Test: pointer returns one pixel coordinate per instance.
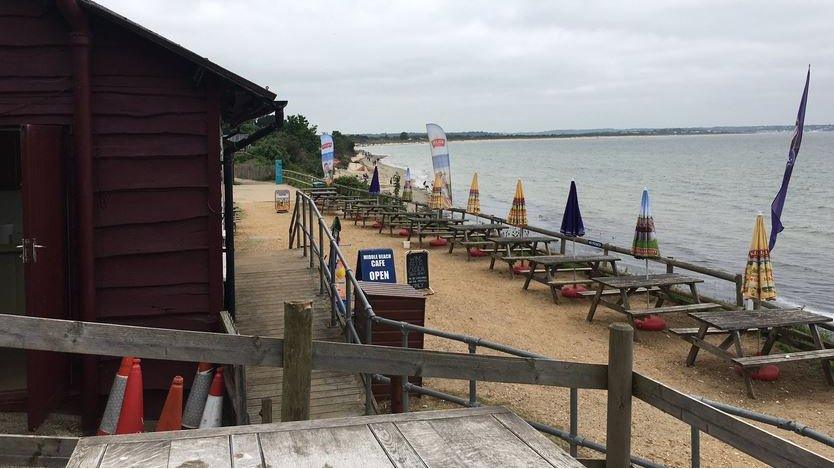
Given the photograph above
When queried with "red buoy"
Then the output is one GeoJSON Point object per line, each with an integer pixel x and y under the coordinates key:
{"type": "Point", "coordinates": [436, 242]}
{"type": "Point", "coordinates": [650, 323]}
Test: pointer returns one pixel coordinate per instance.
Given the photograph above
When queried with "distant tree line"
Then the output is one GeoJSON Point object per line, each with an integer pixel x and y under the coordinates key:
{"type": "Point", "coordinates": [297, 144]}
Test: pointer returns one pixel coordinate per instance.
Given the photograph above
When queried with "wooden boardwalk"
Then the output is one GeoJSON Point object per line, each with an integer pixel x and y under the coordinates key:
{"type": "Point", "coordinates": [263, 283]}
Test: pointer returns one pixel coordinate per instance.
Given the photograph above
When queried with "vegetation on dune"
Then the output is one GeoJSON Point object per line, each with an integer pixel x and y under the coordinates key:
{"type": "Point", "coordinates": [297, 144]}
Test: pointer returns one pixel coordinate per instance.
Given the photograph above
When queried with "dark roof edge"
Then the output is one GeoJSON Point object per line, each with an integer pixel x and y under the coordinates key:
{"type": "Point", "coordinates": [178, 49]}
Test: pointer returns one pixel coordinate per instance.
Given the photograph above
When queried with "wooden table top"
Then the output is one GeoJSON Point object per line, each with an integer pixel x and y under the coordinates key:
{"type": "Point", "coordinates": [520, 239]}
{"type": "Point", "coordinates": [476, 437]}
{"type": "Point", "coordinates": [477, 226]}
{"type": "Point", "coordinates": [654, 280]}
{"type": "Point", "coordinates": [758, 319]}
{"type": "Point", "coordinates": [559, 260]}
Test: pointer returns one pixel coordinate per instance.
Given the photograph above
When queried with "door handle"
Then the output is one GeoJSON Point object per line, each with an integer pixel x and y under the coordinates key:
{"type": "Point", "coordinates": [24, 253]}
{"type": "Point", "coordinates": [35, 247]}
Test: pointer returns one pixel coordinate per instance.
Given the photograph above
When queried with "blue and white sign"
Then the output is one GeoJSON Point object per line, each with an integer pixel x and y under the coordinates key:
{"type": "Point", "coordinates": [376, 265]}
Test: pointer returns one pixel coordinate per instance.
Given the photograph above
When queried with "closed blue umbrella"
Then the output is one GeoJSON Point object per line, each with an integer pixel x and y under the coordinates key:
{"type": "Point", "coordinates": [572, 224]}
{"type": "Point", "coordinates": [374, 189]}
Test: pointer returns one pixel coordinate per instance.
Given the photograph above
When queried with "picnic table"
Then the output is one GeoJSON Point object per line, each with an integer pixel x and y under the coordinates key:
{"type": "Point", "coordinates": [468, 231]}
{"type": "Point", "coordinates": [427, 225]}
{"type": "Point", "coordinates": [476, 437]}
{"type": "Point", "coordinates": [553, 264]}
{"type": "Point", "coordinates": [505, 248]}
{"type": "Point", "coordinates": [774, 323]}
{"type": "Point", "coordinates": [626, 285]}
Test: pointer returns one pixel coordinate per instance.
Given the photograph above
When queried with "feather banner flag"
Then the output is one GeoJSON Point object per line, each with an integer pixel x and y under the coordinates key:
{"type": "Point", "coordinates": [327, 154]}
{"type": "Point", "coordinates": [473, 205]}
{"type": "Point", "coordinates": [408, 191]}
{"type": "Point", "coordinates": [440, 160]}
{"type": "Point", "coordinates": [778, 204]}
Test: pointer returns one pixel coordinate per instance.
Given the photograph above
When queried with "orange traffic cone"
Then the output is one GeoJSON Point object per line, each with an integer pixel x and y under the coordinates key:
{"type": "Point", "coordinates": [171, 417]}
{"type": "Point", "coordinates": [197, 397]}
{"type": "Point", "coordinates": [132, 417]}
{"type": "Point", "coordinates": [213, 413]}
{"type": "Point", "coordinates": [110, 418]}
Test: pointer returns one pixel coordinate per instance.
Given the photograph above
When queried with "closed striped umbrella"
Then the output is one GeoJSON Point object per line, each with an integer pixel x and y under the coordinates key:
{"type": "Point", "coordinates": [474, 203]}
{"type": "Point", "coordinates": [645, 238]}
{"type": "Point", "coordinates": [758, 275]}
{"type": "Point", "coordinates": [518, 211]}
{"type": "Point", "coordinates": [374, 187]}
{"type": "Point", "coordinates": [436, 201]}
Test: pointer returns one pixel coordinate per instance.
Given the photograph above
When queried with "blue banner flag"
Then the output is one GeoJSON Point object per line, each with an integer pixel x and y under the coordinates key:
{"type": "Point", "coordinates": [778, 204]}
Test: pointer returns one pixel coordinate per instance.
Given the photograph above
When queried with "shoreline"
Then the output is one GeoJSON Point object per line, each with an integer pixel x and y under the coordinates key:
{"type": "Point", "coordinates": [386, 172]}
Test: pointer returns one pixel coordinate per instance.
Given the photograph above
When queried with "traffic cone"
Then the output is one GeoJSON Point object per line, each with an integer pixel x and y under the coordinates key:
{"type": "Point", "coordinates": [110, 418]}
{"type": "Point", "coordinates": [171, 416]}
{"type": "Point", "coordinates": [197, 397]}
{"type": "Point", "coordinates": [213, 413]}
{"type": "Point", "coordinates": [132, 417]}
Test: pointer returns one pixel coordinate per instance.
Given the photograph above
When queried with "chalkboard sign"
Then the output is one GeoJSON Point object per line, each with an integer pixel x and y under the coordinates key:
{"type": "Point", "coordinates": [376, 265]}
{"type": "Point", "coordinates": [417, 269]}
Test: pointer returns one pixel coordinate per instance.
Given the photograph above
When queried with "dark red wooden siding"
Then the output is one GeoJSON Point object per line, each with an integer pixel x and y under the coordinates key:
{"type": "Point", "coordinates": [156, 167]}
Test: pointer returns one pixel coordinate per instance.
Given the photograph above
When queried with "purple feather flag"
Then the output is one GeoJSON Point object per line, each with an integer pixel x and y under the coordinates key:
{"type": "Point", "coordinates": [778, 204]}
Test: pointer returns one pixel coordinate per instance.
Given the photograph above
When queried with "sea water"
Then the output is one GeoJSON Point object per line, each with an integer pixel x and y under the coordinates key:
{"type": "Point", "coordinates": [706, 191]}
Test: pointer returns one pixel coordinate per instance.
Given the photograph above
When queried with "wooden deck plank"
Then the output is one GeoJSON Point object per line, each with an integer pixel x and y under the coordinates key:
{"type": "Point", "coordinates": [246, 450]}
{"type": "Point", "coordinates": [87, 455]}
{"type": "Point", "coordinates": [140, 454]}
{"type": "Point", "coordinates": [478, 441]}
{"type": "Point", "coordinates": [200, 452]}
{"type": "Point", "coordinates": [264, 283]}
{"type": "Point", "coordinates": [323, 447]}
{"type": "Point", "coordinates": [395, 445]}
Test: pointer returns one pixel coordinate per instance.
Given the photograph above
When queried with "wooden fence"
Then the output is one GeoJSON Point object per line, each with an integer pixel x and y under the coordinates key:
{"type": "Point", "coordinates": [617, 377]}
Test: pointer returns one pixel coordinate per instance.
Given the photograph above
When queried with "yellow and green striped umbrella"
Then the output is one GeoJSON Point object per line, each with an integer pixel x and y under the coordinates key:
{"type": "Point", "coordinates": [758, 275]}
{"type": "Point", "coordinates": [474, 203]}
{"type": "Point", "coordinates": [518, 211]}
{"type": "Point", "coordinates": [436, 201]}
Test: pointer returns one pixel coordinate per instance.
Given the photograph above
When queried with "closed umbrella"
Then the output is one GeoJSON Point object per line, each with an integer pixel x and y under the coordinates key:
{"type": "Point", "coordinates": [518, 211]}
{"type": "Point", "coordinates": [645, 237]}
{"type": "Point", "coordinates": [436, 198]}
{"type": "Point", "coordinates": [407, 189]}
{"type": "Point", "coordinates": [572, 224]}
{"type": "Point", "coordinates": [474, 203]}
{"type": "Point", "coordinates": [374, 188]}
{"type": "Point", "coordinates": [758, 275]}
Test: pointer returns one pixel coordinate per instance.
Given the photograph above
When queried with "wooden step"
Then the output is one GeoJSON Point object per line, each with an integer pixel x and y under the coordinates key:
{"type": "Point", "coordinates": [758, 360]}
{"type": "Point", "coordinates": [674, 309]}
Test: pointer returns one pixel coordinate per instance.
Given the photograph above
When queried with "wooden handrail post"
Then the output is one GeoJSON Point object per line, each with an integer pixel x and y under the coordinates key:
{"type": "Point", "coordinates": [740, 290]}
{"type": "Point", "coordinates": [620, 365]}
{"type": "Point", "coordinates": [298, 360]}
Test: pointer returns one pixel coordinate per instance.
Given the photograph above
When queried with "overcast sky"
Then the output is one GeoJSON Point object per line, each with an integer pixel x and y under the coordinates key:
{"type": "Point", "coordinates": [373, 66]}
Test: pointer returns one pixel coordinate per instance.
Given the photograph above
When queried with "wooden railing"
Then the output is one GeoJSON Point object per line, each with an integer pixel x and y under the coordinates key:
{"type": "Point", "coordinates": [617, 377]}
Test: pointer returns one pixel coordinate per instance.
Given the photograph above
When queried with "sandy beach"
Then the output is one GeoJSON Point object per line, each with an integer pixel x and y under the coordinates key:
{"type": "Point", "coordinates": [472, 299]}
{"type": "Point", "coordinates": [366, 165]}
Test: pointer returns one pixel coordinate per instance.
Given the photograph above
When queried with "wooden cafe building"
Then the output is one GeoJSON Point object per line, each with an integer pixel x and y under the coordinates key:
{"type": "Point", "coordinates": [111, 208]}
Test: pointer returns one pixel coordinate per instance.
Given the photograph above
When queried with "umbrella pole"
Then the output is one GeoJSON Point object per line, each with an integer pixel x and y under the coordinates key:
{"type": "Point", "coordinates": [573, 242]}
{"type": "Point", "coordinates": [647, 276]}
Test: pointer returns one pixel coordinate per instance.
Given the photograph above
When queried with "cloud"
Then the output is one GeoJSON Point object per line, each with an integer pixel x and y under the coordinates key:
{"type": "Point", "coordinates": [368, 66]}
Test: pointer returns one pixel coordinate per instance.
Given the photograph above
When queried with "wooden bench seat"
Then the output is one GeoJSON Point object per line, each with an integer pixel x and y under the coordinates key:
{"type": "Point", "coordinates": [563, 282]}
{"type": "Point", "coordinates": [693, 331]}
{"type": "Point", "coordinates": [673, 309]}
{"type": "Point", "coordinates": [759, 360]}
{"type": "Point", "coordinates": [591, 293]}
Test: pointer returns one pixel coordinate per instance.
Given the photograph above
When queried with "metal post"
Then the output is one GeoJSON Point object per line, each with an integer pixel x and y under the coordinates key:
{"type": "Point", "coordinates": [574, 419]}
{"type": "Point", "coordinates": [369, 393]}
{"type": "Point", "coordinates": [321, 256]}
{"type": "Point", "coordinates": [334, 292]}
{"type": "Point", "coordinates": [304, 225]}
{"type": "Point", "coordinates": [620, 368]}
{"type": "Point", "coordinates": [405, 377]}
{"type": "Point", "coordinates": [348, 304]}
{"type": "Point", "coordinates": [695, 436]}
{"type": "Point", "coordinates": [473, 384]}
{"type": "Point", "coordinates": [312, 233]}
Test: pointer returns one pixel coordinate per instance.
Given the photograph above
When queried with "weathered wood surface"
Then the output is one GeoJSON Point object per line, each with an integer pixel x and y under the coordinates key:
{"type": "Point", "coordinates": [565, 259]}
{"type": "Point", "coordinates": [477, 227]}
{"type": "Point", "coordinates": [765, 318]}
{"type": "Point", "coordinates": [298, 361]}
{"type": "Point", "coordinates": [520, 239]}
{"type": "Point", "coordinates": [760, 444]}
{"type": "Point", "coordinates": [35, 451]}
{"type": "Point", "coordinates": [676, 309]}
{"type": "Point", "coordinates": [477, 437]}
{"type": "Point", "coordinates": [654, 280]}
{"type": "Point", "coordinates": [263, 284]}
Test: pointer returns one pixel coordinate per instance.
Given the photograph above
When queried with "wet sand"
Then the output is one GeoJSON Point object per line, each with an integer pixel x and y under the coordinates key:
{"type": "Point", "coordinates": [473, 300]}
